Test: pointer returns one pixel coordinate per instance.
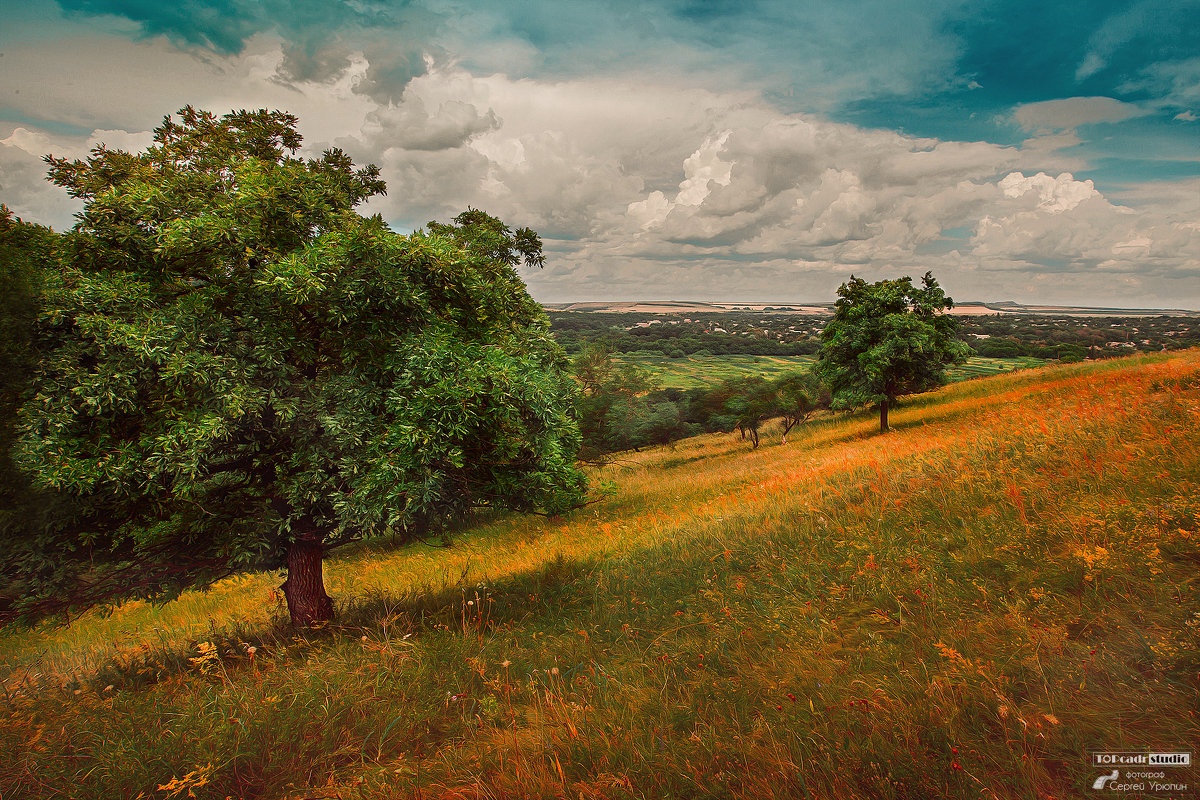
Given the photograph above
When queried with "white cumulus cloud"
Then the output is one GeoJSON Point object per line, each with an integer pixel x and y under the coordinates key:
{"type": "Point", "coordinates": [657, 188]}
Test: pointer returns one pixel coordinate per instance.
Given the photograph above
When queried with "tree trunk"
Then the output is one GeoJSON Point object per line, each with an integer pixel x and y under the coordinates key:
{"type": "Point", "coordinates": [883, 409]}
{"type": "Point", "coordinates": [304, 588]}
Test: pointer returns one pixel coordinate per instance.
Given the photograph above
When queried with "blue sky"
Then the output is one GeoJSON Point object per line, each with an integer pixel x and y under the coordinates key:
{"type": "Point", "coordinates": [761, 150]}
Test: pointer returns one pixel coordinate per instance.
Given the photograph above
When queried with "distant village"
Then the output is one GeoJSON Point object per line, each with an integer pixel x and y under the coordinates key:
{"type": "Point", "coordinates": [1066, 337]}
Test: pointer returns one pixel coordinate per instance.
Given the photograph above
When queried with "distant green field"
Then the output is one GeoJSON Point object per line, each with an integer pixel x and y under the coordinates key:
{"type": "Point", "coordinates": [979, 367]}
{"type": "Point", "coordinates": [695, 371]}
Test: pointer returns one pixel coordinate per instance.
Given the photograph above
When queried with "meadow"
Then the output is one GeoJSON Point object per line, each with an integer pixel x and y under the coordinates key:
{"type": "Point", "coordinates": [967, 606]}
{"type": "Point", "coordinates": [691, 372]}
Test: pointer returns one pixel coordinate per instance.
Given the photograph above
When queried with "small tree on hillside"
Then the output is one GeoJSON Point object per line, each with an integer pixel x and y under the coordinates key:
{"type": "Point", "coordinates": [609, 406]}
{"type": "Point", "coordinates": [752, 400]}
{"type": "Point", "coordinates": [662, 424]}
{"type": "Point", "coordinates": [888, 339]}
{"type": "Point", "coordinates": [237, 371]}
{"type": "Point", "coordinates": [797, 396]}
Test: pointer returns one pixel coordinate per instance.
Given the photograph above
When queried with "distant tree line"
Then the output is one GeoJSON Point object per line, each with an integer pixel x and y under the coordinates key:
{"type": "Point", "coordinates": [1014, 348]}
{"type": "Point", "coordinates": [574, 331]}
{"type": "Point", "coordinates": [672, 343]}
{"type": "Point", "coordinates": [759, 333]}
{"type": "Point", "coordinates": [1076, 338]}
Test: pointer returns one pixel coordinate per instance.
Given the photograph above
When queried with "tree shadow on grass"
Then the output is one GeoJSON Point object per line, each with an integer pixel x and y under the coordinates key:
{"type": "Point", "coordinates": [550, 596]}
{"type": "Point", "coordinates": [555, 590]}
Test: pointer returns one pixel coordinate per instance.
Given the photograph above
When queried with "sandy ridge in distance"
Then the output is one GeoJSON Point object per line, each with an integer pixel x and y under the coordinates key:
{"type": "Point", "coordinates": [968, 309]}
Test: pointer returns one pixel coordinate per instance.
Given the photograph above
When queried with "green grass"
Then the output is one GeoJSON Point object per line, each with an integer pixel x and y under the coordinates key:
{"type": "Point", "coordinates": [965, 607]}
{"type": "Point", "coordinates": [701, 371]}
{"type": "Point", "coordinates": [697, 371]}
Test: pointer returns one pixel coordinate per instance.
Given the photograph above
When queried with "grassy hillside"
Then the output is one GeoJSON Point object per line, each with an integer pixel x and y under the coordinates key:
{"type": "Point", "coordinates": [965, 607]}
{"type": "Point", "coordinates": [694, 371]}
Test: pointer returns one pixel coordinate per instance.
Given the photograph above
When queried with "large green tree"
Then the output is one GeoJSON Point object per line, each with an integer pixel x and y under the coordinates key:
{"type": "Point", "coordinates": [888, 339]}
{"type": "Point", "coordinates": [239, 371]}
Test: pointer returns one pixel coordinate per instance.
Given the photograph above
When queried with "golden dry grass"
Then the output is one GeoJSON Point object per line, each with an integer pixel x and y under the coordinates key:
{"type": "Point", "coordinates": [964, 607]}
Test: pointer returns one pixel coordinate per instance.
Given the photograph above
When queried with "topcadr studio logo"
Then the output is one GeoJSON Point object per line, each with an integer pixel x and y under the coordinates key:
{"type": "Point", "coordinates": [1144, 758]}
{"type": "Point", "coordinates": [1140, 771]}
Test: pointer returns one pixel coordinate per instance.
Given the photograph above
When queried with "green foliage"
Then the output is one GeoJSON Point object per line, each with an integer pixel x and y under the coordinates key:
{"type": "Point", "coordinates": [750, 402]}
{"type": "Point", "coordinates": [797, 396]}
{"type": "Point", "coordinates": [23, 248]}
{"type": "Point", "coordinates": [663, 424]}
{"type": "Point", "coordinates": [233, 360]}
{"type": "Point", "coordinates": [609, 405]}
{"type": "Point", "coordinates": [746, 403]}
{"type": "Point", "coordinates": [999, 348]}
{"type": "Point", "coordinates": [886, 340]}
{"type": "Point", "coordinates": [620, 408]}
{"type": "Point", "coordinates": [490, 238]}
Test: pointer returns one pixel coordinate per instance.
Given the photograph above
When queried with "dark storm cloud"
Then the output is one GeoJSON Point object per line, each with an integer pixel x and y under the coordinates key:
{"type": "Point", "coordinates": [319, 35]}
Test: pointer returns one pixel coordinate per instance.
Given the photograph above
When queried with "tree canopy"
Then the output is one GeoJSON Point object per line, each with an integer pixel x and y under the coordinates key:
{"type": "Point", "coordinates": [238, 371]}
{"type": "Point", "coordinates": [888, 339]}
{"type": "Point", "coordinates": [797, 396]}
{"type": "Point", "coordinates": [610, 407]}
{"type": "Point", "coordinates": [750, 402]}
